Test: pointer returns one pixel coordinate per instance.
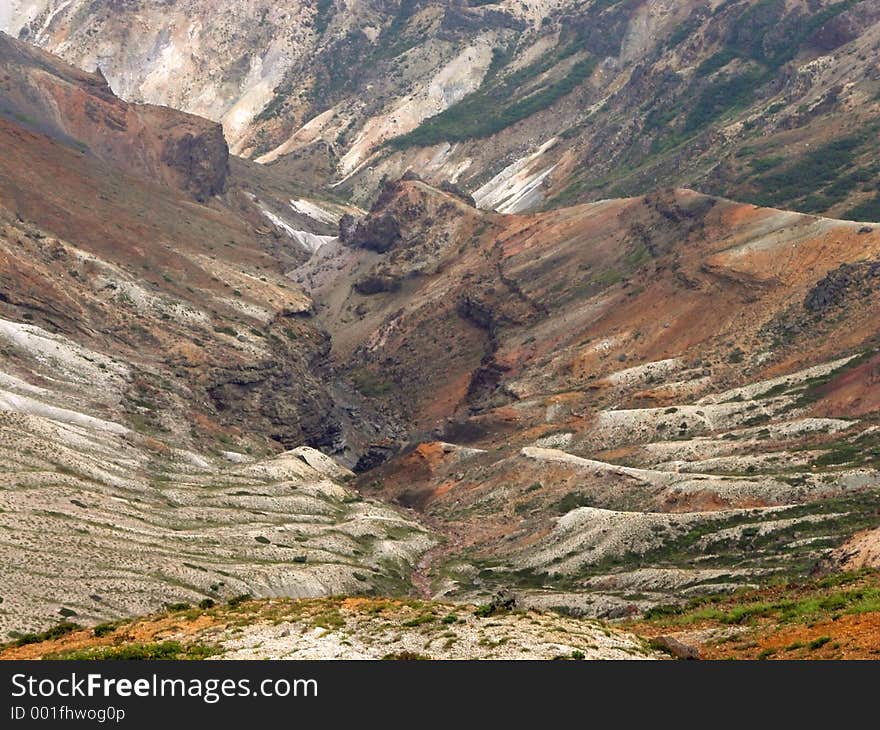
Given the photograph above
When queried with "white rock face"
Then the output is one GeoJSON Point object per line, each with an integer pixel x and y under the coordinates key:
{"type": "Point", "coordinates": [310, 242]}
{"type": "Point", "coordinates": [451, 84]}
{"type": "Point", "coordinates": [518, 186]}
{"type": "Point", "coordinates": [221, 60]}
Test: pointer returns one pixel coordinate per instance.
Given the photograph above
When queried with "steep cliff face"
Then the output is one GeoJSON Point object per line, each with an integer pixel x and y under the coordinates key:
{"type": "Point", "coordinates": [523, 104]}
{"type": "Point", "coordinates": [44, 94]}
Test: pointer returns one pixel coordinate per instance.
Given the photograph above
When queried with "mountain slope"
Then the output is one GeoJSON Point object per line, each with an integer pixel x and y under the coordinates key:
{"type": "Point", "coordinates": [49, 97]}
{"type": "Point", "coordinates": [159, 377]}
{"type": "Point", "coordinates": [597, 394]}
{"type": "Point", "coordinates": [520, 103]}
{"type": "Point", "coordinates": [603, 407]}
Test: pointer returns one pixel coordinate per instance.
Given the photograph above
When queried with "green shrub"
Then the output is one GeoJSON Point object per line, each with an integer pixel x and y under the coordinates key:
{"type": "Point", "coordinates": [105, 629]}
{"type": "Point", "coordinates": [152, 651]}
{"type": "Point", "coordinates": [405, 656]}
{"type": "Point", "coordinates": [56, 632]}
{"type": "Point", "coordinates": [491, 109]}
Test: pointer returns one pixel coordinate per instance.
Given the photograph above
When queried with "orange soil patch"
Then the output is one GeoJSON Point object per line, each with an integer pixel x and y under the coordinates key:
{"type": "Point", "coordinates": [854, 393]}
{"type": "Point", "coordinates": [149, 630]}
{"type": "Point", "coordinates": [849, 637]}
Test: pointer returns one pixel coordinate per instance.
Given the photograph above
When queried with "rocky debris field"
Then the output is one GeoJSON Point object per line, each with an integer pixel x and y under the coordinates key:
{"type": "Point", "coordinates": [350, 628]}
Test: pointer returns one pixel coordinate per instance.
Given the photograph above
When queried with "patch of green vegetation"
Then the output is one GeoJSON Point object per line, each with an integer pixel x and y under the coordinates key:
{"type": "Point", "coordinates": [716, 62]}
{"type": "Point", "coordinates": [56, 632]}
{"type": "Point", "coordinates": [865, 599]}
{"type": "Point", "coordinates": [323, 15]}
{"type": "Point", "coordinates": [763, 38]}
{"type": "Point", "coordinates": [495, 106]}
{"type": "Point", "coordinates": [609, 277]}
{"type": "Point", "coordinates": [370, 384]}
{"type": "Point", "coordinates": [152, 651]}
{"type": "Point", "coordinates": [105, 629]}
{"type": "Point", "coordinates": [238, 600]}
{"type": "Point", "coordinates": [405, 656]}
{"type": "Point", "coordinates": [818, 171]}
{"type": "Point", "coordinates": [757, 22]}
{"type": "Point", "coordinates": [811, 390]}
{"type": "Point", "coordinates": [763, 164]}
{"type": "Point", "coordinates": [572, 501]}
{"type": "Point", "coordinates": [484, 611]}
{"type": "Point", "coordinates": [395, 40]}
{"type": "Point", "coordinates": [683, 31]}
{"type": "Point", "coordinates": [721, 96]}
{"type": "Point", "coordinates": [868, 210]}
{"type": "Point", "coordinates": [330, 620]}
{"type": "Point", "coordinates": [864, 450]}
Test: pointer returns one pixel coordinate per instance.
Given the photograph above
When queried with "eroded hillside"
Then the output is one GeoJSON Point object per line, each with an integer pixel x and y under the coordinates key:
{"type": "Point", "coordinates": [524, 104]}
{"type": "Point", "coordinates": [603, 408]}
{"type": "Point", "coordinates": [352, 628]}
{"type": "Point", "coordinates": [159, 377]}
{"type": "Point", "coordinates": [615, 403]}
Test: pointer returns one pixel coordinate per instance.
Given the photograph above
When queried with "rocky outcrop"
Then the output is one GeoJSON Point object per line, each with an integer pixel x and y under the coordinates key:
{"type": "Point", "coordinates": [376, 233]}
{"type": "Point", "coordinates": [860, 552]}
{"type": "Point", "coordinates": [846, 27]}
{"type": "Point", "coordinates": [283, 396]}
{"type": "Point", "coordinates": [43, 94]}
{"type": "Point", "coordinates": [848, 280]}
{"type": "Point", "coordinates": [200, 159]}
{"type": "Point", "coordinates": [377, 284]}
